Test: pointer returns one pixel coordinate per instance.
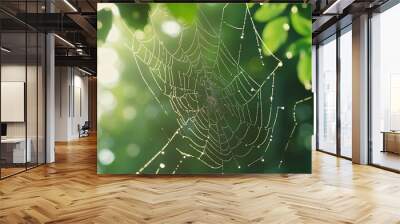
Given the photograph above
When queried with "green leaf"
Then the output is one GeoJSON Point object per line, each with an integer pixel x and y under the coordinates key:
{"type": "Point", "coordinates": [250, 5]}
{"type": "Point", "coordinates": [303, 44]}
{"type": "Point", "coordinates": [304, 69]}
{"type": "Point", "coordinates": [303, 133]}
{"type": "Point", "coordinates": [274, 35]}
{"type": "Point", "coordinates": [186, 12]}
{"type": "Point", "coordinates": [300, 24]}
{"type": "Point", "coordinates": [269, 11]}
{"type": "Point", "coordinates": [104, 21]}
{"type": "Point", "coordinates": [134, 15]}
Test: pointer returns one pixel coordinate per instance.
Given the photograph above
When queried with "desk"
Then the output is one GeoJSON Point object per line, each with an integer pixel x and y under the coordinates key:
{"type": "Point", "coordinates": [18, 150]}
{"type": "Point", "coordinates": [391, 141]}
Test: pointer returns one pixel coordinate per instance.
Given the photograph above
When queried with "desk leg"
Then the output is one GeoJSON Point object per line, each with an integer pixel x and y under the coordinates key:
{"type": "Point", "coordinates": [384, 142]}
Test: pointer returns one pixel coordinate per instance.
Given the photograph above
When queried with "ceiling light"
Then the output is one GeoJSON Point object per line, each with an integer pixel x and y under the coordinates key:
{"type": "Point", "coordinates": [5, 50]}
{"type": "Point", "coordinates": [84, 71]}
{"type": "Point", "coordinates": [79, 51]}
{"type": "Point", "coordinates": [64, 40]}
{"type": "Point", "coordinates": [331, 7]}
{"type": "Point", "coordinates": [70, 5]}
{"type": "Point", "coordinates": [337, 7]}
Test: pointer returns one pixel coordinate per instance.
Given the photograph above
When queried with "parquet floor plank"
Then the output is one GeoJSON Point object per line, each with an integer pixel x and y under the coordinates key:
{"type": "Point", "coordinates": [70, 191]}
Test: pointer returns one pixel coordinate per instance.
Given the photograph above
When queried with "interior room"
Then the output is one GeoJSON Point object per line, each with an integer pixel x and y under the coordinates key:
{"type": "Point", "coordinates": [385, 107]}
{"type": "Point", "coordinates": [71, 103]}
{"type": "Point", "coordinates": [100, 104]}
{"type": "Point", "coordinates": [22, 102]}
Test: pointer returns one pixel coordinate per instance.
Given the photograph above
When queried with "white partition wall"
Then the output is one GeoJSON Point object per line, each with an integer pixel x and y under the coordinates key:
{"type": "Point", "coordinates": [71, 102]}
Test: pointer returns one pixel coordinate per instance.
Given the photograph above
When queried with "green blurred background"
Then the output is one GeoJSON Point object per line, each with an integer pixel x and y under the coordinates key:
{"type": "Point", "coordinates": [203, 49]}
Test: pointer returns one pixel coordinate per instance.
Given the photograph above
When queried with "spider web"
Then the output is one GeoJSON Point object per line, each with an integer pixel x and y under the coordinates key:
{"type": "Point", "coordinates": [216, 102]}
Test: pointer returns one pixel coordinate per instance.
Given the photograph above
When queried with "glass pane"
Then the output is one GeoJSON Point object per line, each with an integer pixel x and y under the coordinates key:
{"type": "Point", "coordinates": [41, 99]}
{"type": "Point", "coordinates": [31, 97]}
{"type": "Point", "coordinates": [327, 96]}
{"type": "Point", "coordinates": [346, 94]}
{"type": "Point", "coordinates": [22, 90]}
{"type": "Point", "coordinates": [14, 154]}
{"type": "Point", "coordinates": [385, 86]}
{"type": "Point", "coordinates": [32, 90]}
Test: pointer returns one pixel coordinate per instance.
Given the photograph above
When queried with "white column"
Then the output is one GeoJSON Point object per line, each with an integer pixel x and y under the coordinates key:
{"type": "Point", "coordinates": [50, 99]}
{"type": "Point", "coordinates": [360, 90]}
{"type": "Point", "coordinates": [50, 92]}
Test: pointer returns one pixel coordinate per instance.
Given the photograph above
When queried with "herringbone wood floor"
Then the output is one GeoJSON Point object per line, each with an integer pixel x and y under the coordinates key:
{"type": "Point", "coordinates": [70, 191]}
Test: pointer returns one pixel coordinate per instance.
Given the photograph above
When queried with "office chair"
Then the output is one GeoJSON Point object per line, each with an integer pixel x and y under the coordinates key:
{"type": "Point", "coordinates": [84, 130]}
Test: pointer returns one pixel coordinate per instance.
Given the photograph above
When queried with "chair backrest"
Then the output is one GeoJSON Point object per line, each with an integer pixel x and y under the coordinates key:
{"type": "Point", "coordinates": [86, 125]}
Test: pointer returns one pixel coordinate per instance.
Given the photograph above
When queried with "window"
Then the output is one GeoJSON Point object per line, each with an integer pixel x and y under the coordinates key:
{"type": "Point", "coordinates": [385, 89]}
{"type": "Point", "coordinates": [327, 96]}
{"type": "Point", "coordinates": [346, 92]}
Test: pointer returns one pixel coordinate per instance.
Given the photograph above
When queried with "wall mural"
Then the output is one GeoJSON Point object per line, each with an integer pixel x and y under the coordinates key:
{"type": "Point", "coordinates": [212, 88]}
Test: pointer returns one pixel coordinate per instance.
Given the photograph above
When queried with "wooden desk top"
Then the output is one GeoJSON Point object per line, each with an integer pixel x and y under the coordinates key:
{"type": "Point", "coordinates": [13, 140]}
{"type": "Point", "coordinates": [391, 132]}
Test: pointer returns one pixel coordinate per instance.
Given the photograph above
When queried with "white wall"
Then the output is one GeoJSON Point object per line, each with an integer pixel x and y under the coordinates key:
{"type": "Point", "coordinates": [12, 73]}
{"type": "Point", "coordinates": [81, 102]}
{"type": "Point", "coordinates": [33, 126]}
{"type": "Point", "coordinates": [71, 94]}
{"type": "Point", "coordinates": [62, 81]}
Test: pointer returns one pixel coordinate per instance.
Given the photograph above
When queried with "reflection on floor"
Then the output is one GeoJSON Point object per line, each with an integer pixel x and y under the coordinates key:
{"type": "Point", "coordinates": [346, 152]}
{"type": "Point", "coordinates": [387, 159]}
{"type": "Point", "coordinates": [9, 170]}
{"type": "Point", "coordinates": [70, 191]}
